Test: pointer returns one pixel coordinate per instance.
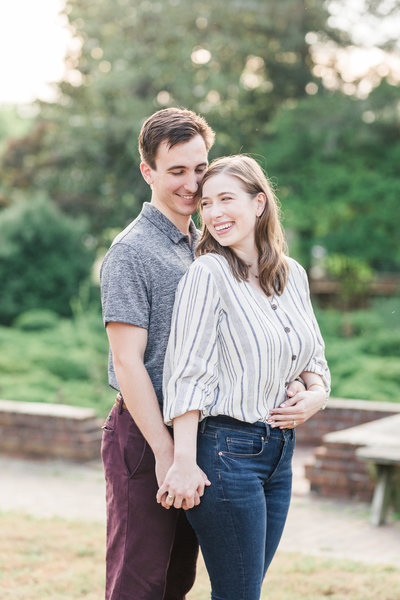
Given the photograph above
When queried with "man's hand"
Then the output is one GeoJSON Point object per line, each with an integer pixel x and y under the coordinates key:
{"type": "Point", "coordinates": [183, 485]}
{"type": "Point", "coordinates": [294, 388]}
{"type": "Point", "coordinates": [299, 406]}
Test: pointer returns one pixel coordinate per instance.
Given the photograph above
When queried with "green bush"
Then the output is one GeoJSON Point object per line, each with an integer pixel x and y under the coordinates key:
{"type": "Point", "coordinates": [383, 343]}
{"type": "Point", "coordinates": [43, 258]}
{"type": "Point", "coordinates": [360, 322]}
{"type": "Point", "coordinates": [36, 320]}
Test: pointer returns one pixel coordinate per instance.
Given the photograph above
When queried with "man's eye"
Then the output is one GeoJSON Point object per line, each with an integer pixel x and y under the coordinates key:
{"type": "Point", "coordinates": [176, 172]}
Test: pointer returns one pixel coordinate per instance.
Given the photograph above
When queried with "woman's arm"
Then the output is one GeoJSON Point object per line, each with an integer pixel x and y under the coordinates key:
{"type": "Point", "coordinates": [184, 481]}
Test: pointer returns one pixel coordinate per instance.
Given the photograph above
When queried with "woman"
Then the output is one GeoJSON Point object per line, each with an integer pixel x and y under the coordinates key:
{"type": "Point", "coordinates": [242, 329]}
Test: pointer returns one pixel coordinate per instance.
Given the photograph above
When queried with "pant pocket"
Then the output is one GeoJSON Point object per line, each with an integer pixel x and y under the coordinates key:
{"type": "Point", "coordinates": [134, 449]}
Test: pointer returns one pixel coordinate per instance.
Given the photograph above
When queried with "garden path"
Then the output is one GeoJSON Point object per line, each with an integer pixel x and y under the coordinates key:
{"type": "Point", "coordinates": [315, 526]}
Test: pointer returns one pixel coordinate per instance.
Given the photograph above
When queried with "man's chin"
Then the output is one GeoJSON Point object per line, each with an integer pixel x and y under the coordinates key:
{"type": "Point", "coordinates": [190, 209]}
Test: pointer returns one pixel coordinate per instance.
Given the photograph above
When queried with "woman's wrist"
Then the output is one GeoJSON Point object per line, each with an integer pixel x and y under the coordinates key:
{"type": "Point", "coordinates": [182, 457]}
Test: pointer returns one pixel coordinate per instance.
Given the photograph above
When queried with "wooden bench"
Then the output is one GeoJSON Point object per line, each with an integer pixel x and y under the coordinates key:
{"type": "Point", "coordinates": [384, 462]}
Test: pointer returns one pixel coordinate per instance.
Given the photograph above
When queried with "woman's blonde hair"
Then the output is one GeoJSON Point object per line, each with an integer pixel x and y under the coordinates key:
{"type": "Point", "coordinates": [269, 236]}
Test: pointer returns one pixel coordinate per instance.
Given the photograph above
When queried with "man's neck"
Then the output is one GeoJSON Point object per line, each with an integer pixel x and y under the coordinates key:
{"type": "Point", "coordinates": [182, 222]}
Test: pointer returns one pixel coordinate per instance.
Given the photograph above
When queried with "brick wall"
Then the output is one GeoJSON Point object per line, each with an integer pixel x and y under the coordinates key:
{"type": "Point", "coordinates": [342, 414]}
{"type": "Point", "coordinates": [35, 429]}
{"type": "Point", "coordinates": [336, 471]}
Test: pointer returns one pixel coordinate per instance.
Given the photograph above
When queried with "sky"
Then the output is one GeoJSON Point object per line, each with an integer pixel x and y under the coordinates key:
{"type": "Point", "coordinates": [34, 39]}
{"type": "Point", "coordinates": [33, 43]}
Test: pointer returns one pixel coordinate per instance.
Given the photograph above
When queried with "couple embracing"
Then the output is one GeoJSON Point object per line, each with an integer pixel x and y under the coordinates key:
{"type": "Point", "coordinates": [216, 358]}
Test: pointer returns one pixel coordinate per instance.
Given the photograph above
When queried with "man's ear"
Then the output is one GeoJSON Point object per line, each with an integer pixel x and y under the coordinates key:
{"type": "Point", "coordinates": [146, 171]}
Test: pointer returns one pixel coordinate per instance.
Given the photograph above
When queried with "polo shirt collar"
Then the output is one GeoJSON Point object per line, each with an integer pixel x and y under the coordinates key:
{"type": "Point", "coordinates": [157, 218]}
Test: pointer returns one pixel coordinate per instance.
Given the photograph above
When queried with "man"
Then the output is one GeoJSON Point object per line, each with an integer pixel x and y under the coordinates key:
{"type": "Point", "coordinates": [151, 552]}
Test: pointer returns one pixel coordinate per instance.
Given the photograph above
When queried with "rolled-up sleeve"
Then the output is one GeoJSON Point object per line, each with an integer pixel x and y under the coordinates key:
{"type": "Point", "coordinates": [190, 379]}
{"type": "Point", "coordinates": [317, 364]}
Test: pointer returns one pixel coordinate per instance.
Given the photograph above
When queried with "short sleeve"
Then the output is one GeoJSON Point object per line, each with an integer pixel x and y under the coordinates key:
{"type": "Point", "coordinates": [124, 287]}
{"type": "Point", "coordinates": [191, 361]}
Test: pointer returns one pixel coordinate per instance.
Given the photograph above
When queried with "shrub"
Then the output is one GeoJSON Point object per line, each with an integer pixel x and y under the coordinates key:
{"type": "Point", "coordinates": [43, 258]}
{"type": "Point", "coordinates": [36, 320]}
{"type": "Point", "coordinates": [383, 343]}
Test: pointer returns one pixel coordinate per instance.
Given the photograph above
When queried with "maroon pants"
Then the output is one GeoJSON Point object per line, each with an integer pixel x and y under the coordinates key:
{"type": "Point", "coordinates": [151, 551]}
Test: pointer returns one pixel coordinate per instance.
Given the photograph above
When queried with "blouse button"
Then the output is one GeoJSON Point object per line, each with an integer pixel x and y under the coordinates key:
{"type": "Point", "coordinates": [294, 357]}
{"type": "Point", "coordinates": [287, 329]}
{"type": "Point", "coordinates": [274, 306]}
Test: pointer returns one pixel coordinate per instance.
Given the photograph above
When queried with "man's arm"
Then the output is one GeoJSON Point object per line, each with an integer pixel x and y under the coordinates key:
{"type": "Point", "coordinates": [128, 345]}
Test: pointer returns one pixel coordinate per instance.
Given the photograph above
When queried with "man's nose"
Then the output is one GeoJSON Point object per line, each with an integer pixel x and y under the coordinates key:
{"type": "Point", "coordinates": [191, 184]}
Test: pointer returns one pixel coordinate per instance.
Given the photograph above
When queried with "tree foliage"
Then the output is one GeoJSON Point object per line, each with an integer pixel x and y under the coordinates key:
{"type": "Point", "coordinates": [249, 68]}
{"type": "Point", "coordinates": [43, 258]}
{"type": "Point", "coordinates": [235, 62]}
{"type": "Point", "coordinates": [336, 160]}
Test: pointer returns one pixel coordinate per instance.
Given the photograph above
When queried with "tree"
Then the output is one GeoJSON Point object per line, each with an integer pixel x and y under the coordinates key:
{"type": "Point", "coordinates": [335, 160]}
{"type": "Point", "coordinates": [235, 62]}
{"type": "Point", "coordinates": [44, 258]}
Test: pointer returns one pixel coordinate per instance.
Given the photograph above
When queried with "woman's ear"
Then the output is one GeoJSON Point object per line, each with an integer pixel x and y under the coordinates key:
{"type": "Point", "coordinates": [146, 171]}
{"type": "Point", "coordinates": [261, 200]}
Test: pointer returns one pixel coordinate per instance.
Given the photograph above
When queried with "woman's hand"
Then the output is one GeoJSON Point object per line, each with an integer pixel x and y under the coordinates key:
{"type": "Point", "coordinates": [183, 485]}
{"type": "Point", "coordinates": [298, 407]}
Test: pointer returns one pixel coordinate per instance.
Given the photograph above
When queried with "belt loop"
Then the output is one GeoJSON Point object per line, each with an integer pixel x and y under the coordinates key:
{"type": "Point", "coordinates": [203, 424]}
{"type": "Point", "coordinates": [121, 403]}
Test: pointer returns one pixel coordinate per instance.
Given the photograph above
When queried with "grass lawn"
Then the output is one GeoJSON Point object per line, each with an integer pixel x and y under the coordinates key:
{"type": "Point", "coordinates": [61, 560]}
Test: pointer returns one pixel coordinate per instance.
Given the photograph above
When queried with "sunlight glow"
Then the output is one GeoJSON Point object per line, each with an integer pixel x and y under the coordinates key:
{"type": "Point", "coordinates": [33, 42]}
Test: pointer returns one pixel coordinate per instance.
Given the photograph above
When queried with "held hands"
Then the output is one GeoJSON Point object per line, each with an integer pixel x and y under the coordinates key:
{"type": "Point", "coordinates": [183, 485]}
{"type": "Point", "coordinates": [300, 405]}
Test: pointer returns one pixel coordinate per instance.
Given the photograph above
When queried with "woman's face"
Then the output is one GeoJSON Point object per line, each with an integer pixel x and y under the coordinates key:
{"type": "Point", "coordinates": [229, 213]}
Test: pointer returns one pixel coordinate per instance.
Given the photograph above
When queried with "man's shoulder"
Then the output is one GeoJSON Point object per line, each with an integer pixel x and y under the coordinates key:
{"type": "Point", "coordinates": [135, 234]}
{"type": "Point", "coordinates": [141, 237]}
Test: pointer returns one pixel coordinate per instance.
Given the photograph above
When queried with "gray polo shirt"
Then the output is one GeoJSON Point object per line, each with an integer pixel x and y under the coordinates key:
{"type": "Point", "coordinates": [138, 278]}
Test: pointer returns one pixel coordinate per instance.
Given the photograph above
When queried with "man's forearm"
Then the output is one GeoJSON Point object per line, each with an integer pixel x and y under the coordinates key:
{"type": "Point", "coordinates": [141, 401]}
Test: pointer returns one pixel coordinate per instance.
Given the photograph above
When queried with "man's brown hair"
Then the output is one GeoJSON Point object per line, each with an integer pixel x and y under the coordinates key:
{"type": "Point", "coordinates": [174, 126]}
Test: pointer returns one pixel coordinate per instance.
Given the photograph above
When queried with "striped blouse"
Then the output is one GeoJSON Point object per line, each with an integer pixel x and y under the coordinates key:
{"type": "Point", "coordinates": [232, 350]}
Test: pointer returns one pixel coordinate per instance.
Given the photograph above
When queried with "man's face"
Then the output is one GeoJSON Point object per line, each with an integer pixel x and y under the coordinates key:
{"type": "Point", "coordinates": [174, 182]}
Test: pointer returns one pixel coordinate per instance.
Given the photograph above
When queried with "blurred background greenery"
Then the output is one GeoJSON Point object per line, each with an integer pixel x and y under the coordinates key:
{"type": "Point", "coordinates": [274, 79]}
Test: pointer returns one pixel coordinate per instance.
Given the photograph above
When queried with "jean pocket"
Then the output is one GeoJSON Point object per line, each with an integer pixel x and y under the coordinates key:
{"type": "Point", "coordinates": [242, 447]}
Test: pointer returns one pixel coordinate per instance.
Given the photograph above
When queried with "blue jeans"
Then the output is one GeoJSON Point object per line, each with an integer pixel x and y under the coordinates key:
{"type": "Point", "coordinates": [240, 518]}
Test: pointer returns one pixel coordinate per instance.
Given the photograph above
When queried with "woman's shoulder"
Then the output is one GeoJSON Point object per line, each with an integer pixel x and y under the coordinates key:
{"type": "Point", "coordinates": [211, 262]}
{"type": "Point", "coordinates": [295, 268]}
{"type": "Point", "coordinates": [208, 266]}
